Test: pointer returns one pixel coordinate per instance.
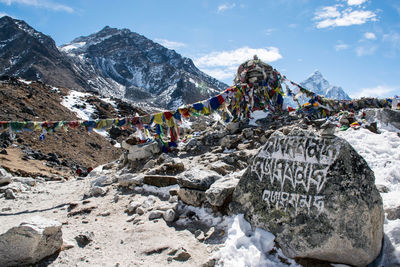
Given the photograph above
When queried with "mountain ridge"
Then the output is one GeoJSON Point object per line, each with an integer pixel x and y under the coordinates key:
{"type": "Point", "coordinates": [113, 62]}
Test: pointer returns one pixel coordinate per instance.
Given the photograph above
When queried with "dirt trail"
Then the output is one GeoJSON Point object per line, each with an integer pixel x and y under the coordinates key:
{"type": "Point", "coordinates": [117, 240]}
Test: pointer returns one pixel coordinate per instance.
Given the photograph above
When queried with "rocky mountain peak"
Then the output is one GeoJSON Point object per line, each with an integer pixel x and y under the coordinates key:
{"type": "Point", "coordinates": [12, 29]}
{"type": "Point", "coordinates": [317, 83]}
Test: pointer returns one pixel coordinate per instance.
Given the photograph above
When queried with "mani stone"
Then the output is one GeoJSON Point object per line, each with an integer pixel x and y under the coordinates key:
{"type": "Point", "coordinates": [316, 195]}
{"type": "Point", "coordinates": [30, 242]}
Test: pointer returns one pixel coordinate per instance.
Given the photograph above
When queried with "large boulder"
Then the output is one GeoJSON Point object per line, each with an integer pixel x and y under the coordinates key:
{"type": "Point", "coordinates": [316, 195]}
{"type": "Point", "coordinates": [138, 152]}
{"type": "Point", "coordinates": [30, 242]}
{"type": "Point", "coordinates": [197, 179]}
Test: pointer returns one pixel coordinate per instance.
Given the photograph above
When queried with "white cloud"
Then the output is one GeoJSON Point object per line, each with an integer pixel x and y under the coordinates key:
{"type": "Point", "coordinates": [393, 38]}
{"type": "Point", "coordinates": [223, 65]}
{"type": "Point", "coordinates": [224, 7]}
{"type": "Point", "coordinates": [170, 44]}
{"type": "Point", "coordinates": [2, 14]}
{"type": "Point", "coordinates": [333, 16]}
{"type": "Point", "coordinates": [269, 31]}
{"type": "Point", "coordinates": [365, 51]}
{"type": "Point", "coordinates": [370, 35]}
{"type": "Point", "coordinates": [47, 4]}
{"type": "Point", "coordinates": [355, 2]}
{"type": "Point", "coordinates": [238, 56]}
{"type": "Point", "coordinates": [222, 74]}
{"type": "Point", "coordinates": [341, 46]}
{"type": "Point", "coordinates": [378, 91]}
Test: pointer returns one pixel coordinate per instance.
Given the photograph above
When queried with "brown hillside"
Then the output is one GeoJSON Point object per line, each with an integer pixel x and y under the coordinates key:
{"type": "Point", "coordinates": [74, 148]}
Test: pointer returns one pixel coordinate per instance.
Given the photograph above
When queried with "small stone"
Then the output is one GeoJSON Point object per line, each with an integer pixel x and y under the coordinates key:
{"type": "Point", "coordinates": [67, 245]}
{"type": "Point", "coordinates": [173, 191]}
{"type": "Point", "coordinates": [97, 191]}
{"type": "Point", "coordinates": [155, 214]}
{"type": "Point", "coordinates": [210, 232]}
{"type": "Point", "coordinates": [182, 255]}
{"type": "Point", "coordinates": [150, 164]}
{"type": "Point", "coordinates": [192, 196]}
{"type": "Point", "coordinates": [9, 194]}
{"type": "Point", "coordinates": [393, 213]}
{"type": "Point", "coordinates": [140, 210]}
{"type": "Point", "coordinates": [84, 239]}
{"type": "Point", "coordinates": [382, 188]}
{"type": "Point", "coordinates": [105, 214]}
{"type": "Point", "coordinates": [133, 206]}
{"type": "Point", "coordinates": [199, 235]}
{"type": "Point", "coordinates": [169, 215]}
{"type": "Point", "coordinates": [131, 219]}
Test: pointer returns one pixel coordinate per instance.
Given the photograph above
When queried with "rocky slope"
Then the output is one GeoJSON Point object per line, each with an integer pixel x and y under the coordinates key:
{"type": "Point", "coordinates": [112, 62]}
{"type": "Point", "coordinates": [61, 153]}
{"type": "Point", "coordinates": [27, 53]}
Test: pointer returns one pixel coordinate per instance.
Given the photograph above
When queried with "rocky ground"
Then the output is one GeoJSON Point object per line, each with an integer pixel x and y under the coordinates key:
{"type": "Point", "coordinates": [145, 212]}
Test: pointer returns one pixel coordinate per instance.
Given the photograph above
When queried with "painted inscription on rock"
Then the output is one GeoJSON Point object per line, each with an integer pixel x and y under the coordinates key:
{"type": "Point", "coordinates": [294, 169]}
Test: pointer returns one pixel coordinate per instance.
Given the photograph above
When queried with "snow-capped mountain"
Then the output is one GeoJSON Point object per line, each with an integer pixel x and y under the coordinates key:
{"type": "Point", "coordinates": [319, 85]}
{"type": "Point", "coordinates": [112, 62]}
{"type": "Point", "coordinates": [29, 54]}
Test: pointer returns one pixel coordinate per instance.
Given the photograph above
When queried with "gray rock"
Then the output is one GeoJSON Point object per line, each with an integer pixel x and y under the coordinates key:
{"type": "Point", "coordinates": [231, 141]}
{"type": "Point", "coordinates": [221, 167]}
{"type": "Point", "coordinates": [30, 242]}
{"type": "Point", "coordinates": [84, 239]}
{"type": "Point", "coordinates": [192, 196]}
{"type": "Point", "coordinates": [328, 129]}
{"type": "Point", "coordinates": [221, 190]}
{"type": "Point", "coordinates": [139, 152]}
{"type": "Point", "coordinates": [382, 188]}
{"type": "Point", "coordinates": [169, 215]}
{"type": "Point", "coordinates": [25, 180]}
{"type": "Point", "coordinates": [9, 194]}
{"type": "Point", "coordinates": [248, 133]}
{"type": "Point", "coordinates": [232, 127]}
{"type": "Point", "coordinates": [150, 164]}
{"type": "Point", "coordinates": [160, 180]}
{"type": "Point", "coordinates": [97, 191]}
{"type": "Point", "coordinates": [197, 179]}
{"type": "Point", "coordinates": [128, 179]}
{"type": "Point", "coordinates": [140, 211]}
{"type": "Point", "coordinates": [393, 213]}
{"type": "Point", "coordinates": [5, 177]}
{"type": "Point", "coordinates": [133, 206]}
{"type": "Point", "coordinates": [155, 214]}
{"type": "Point", "coordinates": [104, 180]}
{"type": "Point", "coordinates": [182, 255]}
{"type": "Point", "coordinates": [385, 116]}
{"type": "Point", "coordinates": [316, 195]}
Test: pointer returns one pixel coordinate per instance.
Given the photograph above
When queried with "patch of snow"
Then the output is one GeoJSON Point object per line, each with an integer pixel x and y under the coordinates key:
{"type": "Point", "coordinates": [258, 115]}
{"type": "Point", "coordinates": [205, 215]}
{"type": "Point", "coordinates": [382, 153]}
{"type": "Point", "coordinates": [24, 81]}
{"type": "Point", "coordinates": [75, 102]}
{"type": "Point", "coordinates": [247, 247]}
{"type": "Point", "coordinates": [67, 48]}
{"type": "Point", "coordinates": [160, 191]}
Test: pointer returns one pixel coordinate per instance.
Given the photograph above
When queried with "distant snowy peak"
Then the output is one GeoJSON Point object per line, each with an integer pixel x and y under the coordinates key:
{"type": "Point", "coordinates": [319, 85]}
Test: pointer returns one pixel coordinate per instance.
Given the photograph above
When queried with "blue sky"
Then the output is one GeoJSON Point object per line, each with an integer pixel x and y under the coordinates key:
{"type": "Point", "coordinates": [354, 43]}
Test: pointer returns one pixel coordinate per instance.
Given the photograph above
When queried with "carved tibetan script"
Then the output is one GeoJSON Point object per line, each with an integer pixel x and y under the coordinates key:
{"type": "Point", "coordinates": [295, 170]}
